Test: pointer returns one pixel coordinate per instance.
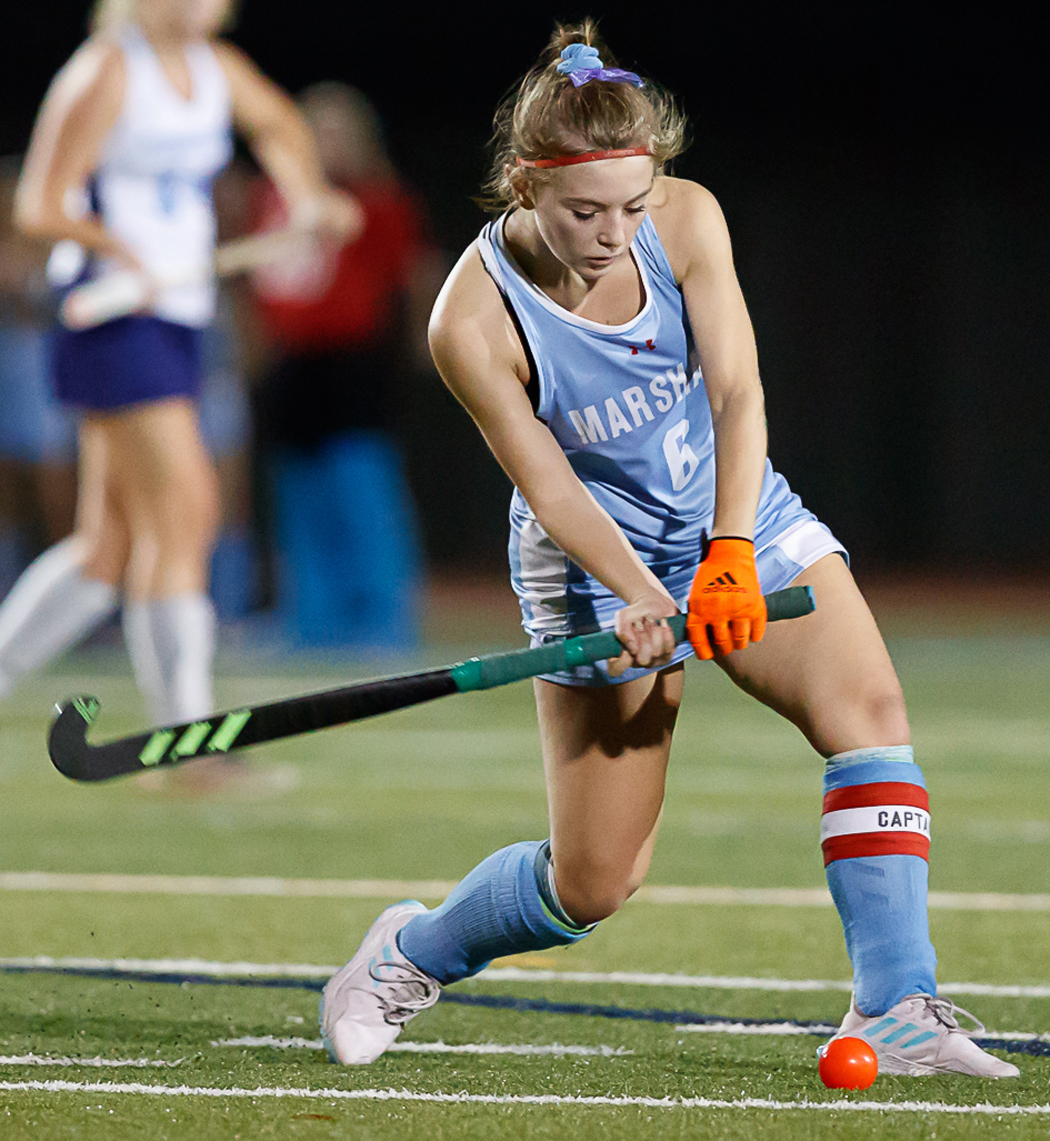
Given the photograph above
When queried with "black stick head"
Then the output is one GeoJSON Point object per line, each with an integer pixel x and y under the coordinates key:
{"type": "Point", "coordinates": [67, 741]}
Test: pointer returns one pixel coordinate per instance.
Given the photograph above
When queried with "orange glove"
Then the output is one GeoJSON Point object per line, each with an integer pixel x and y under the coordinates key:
{"type": "Point", "coordinates": [726, 607]}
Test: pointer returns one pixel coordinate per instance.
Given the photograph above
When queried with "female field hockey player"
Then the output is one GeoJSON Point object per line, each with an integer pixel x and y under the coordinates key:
{"type": "Point", "coordinates": [596, 333]}
{"type": "Point", "coordinates": [118, 174]}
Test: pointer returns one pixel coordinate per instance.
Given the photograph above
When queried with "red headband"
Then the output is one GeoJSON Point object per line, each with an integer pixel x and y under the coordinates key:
{"type": "Point", "coordinates": [590, 156]}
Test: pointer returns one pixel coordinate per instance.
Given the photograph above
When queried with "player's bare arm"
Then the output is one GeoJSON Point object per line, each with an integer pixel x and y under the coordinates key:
{"type": "Point", "coordinates": [482, 361]}
{"type": "Point", "coordinates": [281, 141]}
{"type": "Point", "coordinates": [78, 112]}
{"type": "Point", "coordinates": [694, 232]}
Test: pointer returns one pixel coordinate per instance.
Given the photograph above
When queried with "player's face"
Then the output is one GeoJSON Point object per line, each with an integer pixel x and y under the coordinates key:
{"type": "Point", "coordinates": [588, 214]}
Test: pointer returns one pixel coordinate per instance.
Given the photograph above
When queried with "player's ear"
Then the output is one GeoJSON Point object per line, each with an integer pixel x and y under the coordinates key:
{"type": "Point", "coordinates": [521, 186]}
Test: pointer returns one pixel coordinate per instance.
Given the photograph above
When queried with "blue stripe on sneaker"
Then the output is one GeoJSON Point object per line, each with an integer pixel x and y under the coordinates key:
{"type": "Point", "coordinates": [899, 1033]}
{"type": "Point", "coordinates": [918, 1040]}
{"type": "Point", "coordinates": [885, 1024]}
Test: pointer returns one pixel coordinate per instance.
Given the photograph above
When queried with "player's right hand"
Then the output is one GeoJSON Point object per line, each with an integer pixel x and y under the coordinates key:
{"type": "Point", "coordinates": [333, 213]}
{"type": "Point", "coordinates": [726, 609]}
{"type": "Point", "coordinates": [647, 639]}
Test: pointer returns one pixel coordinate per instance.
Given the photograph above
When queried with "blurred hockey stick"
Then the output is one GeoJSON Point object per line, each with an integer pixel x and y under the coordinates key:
{"type": "Point", "coordinates": [126, 291]}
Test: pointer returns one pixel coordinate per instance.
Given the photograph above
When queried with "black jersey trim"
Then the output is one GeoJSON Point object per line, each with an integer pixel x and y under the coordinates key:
{"type": "Point", "coordinates": [532, 385]}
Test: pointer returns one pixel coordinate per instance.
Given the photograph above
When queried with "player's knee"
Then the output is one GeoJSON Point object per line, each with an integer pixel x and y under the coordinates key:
{"type": "Point", "coordinates": [887, 715]}
{"type": "Point", "coordinates": [193, 511]}
{"type": "Point", "coordinates": [209, 514]}
{"type": "Point", "coordinates": [592, 904]}
{"type": "Point", "coordinates": [592, 892]}
{"type": "Point", "coordinates": [107, 549]}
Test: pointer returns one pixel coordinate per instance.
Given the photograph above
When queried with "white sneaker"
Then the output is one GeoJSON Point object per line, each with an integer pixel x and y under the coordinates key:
{"type": "Point", "coordinates": [365, 1005]}
{"type": "Point", "coordinates": [921, 1036]}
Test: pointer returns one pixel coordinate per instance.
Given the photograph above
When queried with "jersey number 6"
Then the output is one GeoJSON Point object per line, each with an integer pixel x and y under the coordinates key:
{"type": "Point", "coordinates": [681, 459]}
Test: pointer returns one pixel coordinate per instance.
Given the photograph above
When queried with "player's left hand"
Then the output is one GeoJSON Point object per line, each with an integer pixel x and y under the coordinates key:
{"type": "Point", "coordinates": [726, 607]}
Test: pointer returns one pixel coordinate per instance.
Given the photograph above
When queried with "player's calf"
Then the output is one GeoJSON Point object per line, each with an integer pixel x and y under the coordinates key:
{"type": "Point", "coordinates": [505, 906]}
{"type": "Point", "coordinates": [875, 834]}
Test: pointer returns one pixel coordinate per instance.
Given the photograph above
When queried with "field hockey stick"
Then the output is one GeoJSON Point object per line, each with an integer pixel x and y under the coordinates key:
{"type": "Point", "coordinates": [126, 291]}
{"type": "Point", "coordinates": [237, 729]}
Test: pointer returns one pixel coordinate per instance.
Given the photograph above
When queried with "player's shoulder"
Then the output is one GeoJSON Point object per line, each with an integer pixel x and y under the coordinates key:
{"type": "Point", "coordinates": [96, 70]}
{"type": "Point", "coordinates": [237, 66]}
{"type": "Point", "coordinates": [688, 219]}
{"type": "Point", "coordinates": [230, 55]}
{"type": "Point", "coordinates": [682, 200]}
{"type": "Point", "coordinates": [469, 327]}
{"type": "Point", "coordinates": [468, 299]}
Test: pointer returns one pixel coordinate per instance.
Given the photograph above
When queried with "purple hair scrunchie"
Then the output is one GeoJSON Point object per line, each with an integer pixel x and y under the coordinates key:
{"type": "Point", "coordinates": [581, 63]}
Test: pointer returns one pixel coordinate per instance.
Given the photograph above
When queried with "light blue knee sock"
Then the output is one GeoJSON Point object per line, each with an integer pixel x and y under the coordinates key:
{"type": "Point", "coordinates": [875, 833]}
{"type": "Point", "coordinates": [506, 905]}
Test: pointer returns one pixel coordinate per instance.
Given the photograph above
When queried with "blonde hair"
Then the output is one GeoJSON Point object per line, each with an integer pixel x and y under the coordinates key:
{"type": "Point", "coordinates": [547, 116]}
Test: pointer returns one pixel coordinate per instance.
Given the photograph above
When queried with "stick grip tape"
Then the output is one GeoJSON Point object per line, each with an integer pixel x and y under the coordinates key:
{"type": "Point", "coordinates": [516, 665]}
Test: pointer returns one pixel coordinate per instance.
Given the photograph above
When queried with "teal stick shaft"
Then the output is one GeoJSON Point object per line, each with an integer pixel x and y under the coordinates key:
{"type": "Point", "coordinates": [516, 665]}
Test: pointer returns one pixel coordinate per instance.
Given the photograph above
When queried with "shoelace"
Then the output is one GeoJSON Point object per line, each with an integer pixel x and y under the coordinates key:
{"type": "Point", "coordinates": [945, 1011]}
{"type": "Point", "coordinates": [411, 991]}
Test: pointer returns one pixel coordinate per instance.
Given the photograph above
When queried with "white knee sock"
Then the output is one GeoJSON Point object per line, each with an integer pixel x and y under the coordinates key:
{"type": "Point", "coordinates": [138, 638]}
{"type": "Point", "coordinates": [50, 607]}
{"type": "Point", "coordinates": [171, 642]}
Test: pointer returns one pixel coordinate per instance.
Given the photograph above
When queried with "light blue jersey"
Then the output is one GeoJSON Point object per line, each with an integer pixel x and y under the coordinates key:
{"type": "Point", "coordinates": [628, 406]}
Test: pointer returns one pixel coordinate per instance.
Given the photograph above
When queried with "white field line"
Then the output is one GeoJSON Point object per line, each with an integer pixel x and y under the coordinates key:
{"type": "Point", "coordinates": [206, 967]}
{"type": "Point", "coordinates": [555, 1049]}
{"type": "Point", "coordinates": [773, 1029]}
{"type": "Point", "coordinates": [222, 885]}
{"type": "Point", "coordinates": [96, 1062]}
{"type": "Point", "coordinates": [391, 1095]}
{"type": "Point", "coordinates": [637, 978]}
{"type": "Point", "coordinates": [789, 1029]}
{"type": "Point", "coordinates": [438, 889]}
{"type": "Point", "coordinates": [723, 982]}
{"type": "Point", "coordinates": [244, 970]}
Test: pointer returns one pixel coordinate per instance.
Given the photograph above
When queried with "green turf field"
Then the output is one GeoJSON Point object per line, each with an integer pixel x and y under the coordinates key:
{"type": "Point", "coordinates": [424, 794]}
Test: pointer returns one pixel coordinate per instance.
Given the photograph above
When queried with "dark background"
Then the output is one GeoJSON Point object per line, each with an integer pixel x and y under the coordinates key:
{"type": "Point", "coordinates": [885, 175]}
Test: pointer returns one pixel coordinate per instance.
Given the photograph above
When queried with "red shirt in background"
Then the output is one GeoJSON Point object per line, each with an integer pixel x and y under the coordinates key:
{"type": "Point", "coordinates": [325, 297]}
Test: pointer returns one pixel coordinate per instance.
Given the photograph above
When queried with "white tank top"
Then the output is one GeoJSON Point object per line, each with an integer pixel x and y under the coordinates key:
{"type": "Point", "coordinates": [152, 183]}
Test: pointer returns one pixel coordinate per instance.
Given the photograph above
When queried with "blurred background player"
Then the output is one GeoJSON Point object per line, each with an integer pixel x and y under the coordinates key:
{"type": "Point", "coordinates": [130, 135]}
{"type": "Point", "coordinates": [37, 435]}
{"type": "Point", "coordinates": [343, 329]}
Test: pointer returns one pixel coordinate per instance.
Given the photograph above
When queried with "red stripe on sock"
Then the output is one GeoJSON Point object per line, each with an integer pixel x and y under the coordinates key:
{"type": "Point", "coordinates": [875, 844]}
{"type": "Point", "coordinates": [877, 794]}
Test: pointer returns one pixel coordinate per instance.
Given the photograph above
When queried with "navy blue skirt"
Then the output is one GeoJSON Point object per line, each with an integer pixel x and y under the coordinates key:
{"type": "Point", "coordinates": [127, 361]}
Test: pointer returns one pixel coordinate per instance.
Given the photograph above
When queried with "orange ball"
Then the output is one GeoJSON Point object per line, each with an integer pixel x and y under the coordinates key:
{"type": "Point", "coordinates": [848, 1063]}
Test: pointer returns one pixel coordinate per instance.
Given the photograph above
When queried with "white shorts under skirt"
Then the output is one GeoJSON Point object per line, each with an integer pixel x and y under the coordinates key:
{"type": "Point", "coordinates": [779, 561]}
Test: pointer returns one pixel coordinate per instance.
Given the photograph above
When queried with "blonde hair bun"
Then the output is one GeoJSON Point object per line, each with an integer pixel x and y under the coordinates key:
{"type": "Point", "coordinates": [547, 116]}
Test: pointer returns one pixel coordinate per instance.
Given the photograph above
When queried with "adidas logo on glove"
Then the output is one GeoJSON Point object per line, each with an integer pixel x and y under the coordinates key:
{"type": "Point", "coordinates": [725, 583]}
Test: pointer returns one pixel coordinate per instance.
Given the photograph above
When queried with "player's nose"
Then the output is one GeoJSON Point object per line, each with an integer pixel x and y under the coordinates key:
{"type": "Point", "coordinates": [613, 233]}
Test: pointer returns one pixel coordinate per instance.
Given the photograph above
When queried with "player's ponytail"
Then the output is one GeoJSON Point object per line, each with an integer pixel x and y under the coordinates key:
{"type": "Point", "coordinates": [554, 114]}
